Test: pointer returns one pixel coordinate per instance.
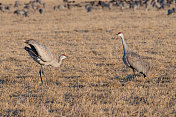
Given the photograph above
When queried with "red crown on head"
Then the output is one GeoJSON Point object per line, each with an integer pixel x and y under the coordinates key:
{"type": "Point", "coordinates": [119, 33]}
{"type": "Point", "coordinates": [63, 55]}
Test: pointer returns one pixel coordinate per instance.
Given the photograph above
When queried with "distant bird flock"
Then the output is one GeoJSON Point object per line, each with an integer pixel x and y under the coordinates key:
{"type": "Point", "coordinates": [38, 6]}
{"type": "Point", "coordinates": [23, 9]}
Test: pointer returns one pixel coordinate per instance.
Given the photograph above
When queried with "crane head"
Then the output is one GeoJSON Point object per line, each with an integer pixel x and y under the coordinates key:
{"type": "Point", "coordinates": [63, 56]}
{"type": "Point", "coordinates": [119, 34]}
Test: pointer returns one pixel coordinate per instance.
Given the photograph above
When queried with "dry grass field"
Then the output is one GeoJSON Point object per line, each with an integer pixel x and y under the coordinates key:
{"type": "Point", "coordinates": [93, 80]}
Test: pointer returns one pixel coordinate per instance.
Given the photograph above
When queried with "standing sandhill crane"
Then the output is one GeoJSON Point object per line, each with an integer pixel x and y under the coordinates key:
{"type": "Point", "coordinates": [42, 55]}
{"type": "Point", "coordinates": [133, 60]}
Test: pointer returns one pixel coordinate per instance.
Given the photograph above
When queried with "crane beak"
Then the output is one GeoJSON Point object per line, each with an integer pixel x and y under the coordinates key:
{"type": "Point", "coordinates": [26, 42]}
{"type": "Point", "coordinates": [115, 36]}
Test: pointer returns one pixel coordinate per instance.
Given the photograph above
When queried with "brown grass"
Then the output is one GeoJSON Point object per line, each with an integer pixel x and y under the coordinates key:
{"type": "Point", "coordinates": [93, 81]}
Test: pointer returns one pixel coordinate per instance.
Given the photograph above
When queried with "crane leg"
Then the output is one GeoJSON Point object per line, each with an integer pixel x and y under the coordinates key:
{"type": "Point", "coordinates": [42, 71]}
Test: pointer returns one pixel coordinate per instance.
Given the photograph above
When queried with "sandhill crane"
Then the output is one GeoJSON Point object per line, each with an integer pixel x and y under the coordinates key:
{"type": "Point", "coordinates": [133, 60]}
{"type": "Point", "coordinates": [42, 55]}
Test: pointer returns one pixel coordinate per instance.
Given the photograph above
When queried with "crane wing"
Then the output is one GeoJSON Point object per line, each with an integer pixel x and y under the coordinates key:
{"type": "Point", "coordinates": [136, 62]}
{"type": "Point", "coordinates": [32, 54]}
{"type": "Point", "coordinates": [40, 50]}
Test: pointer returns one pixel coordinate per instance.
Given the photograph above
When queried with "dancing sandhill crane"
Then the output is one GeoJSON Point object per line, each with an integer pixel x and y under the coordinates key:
{"type": "Point", "coordinates": [133, 60]}
{"type": "Point", "coordinates": [42, 55]}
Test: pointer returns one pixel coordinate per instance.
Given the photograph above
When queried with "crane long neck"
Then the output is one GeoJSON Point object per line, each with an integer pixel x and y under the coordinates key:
{"type": "Point", "coordinates": [125, 47]}
{"type": "Point", "coordinates": [57, 64]}
{"type": "Point", "coordinates": [60, 61]}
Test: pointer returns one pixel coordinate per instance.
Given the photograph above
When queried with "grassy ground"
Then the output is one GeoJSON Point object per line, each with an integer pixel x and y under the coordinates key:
{"type": "Point", "coordinates": [92, 81]}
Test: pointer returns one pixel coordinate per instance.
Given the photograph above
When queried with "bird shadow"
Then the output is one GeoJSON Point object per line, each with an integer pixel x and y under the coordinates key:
{"type": "Point", "coordinates": [126, 79]}
{"type": "Point", "coordinates": [23, 76]}
{"type": "Point", "coordinates": [160, 80]}
{"type": "Point", "coordinates": [76, 86]}
{"type": "Point", "coordinates": [71, 77]}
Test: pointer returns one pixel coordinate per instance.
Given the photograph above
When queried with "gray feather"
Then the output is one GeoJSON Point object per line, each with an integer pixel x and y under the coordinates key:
{"type": "Point", "coordinates": [40, 50]}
